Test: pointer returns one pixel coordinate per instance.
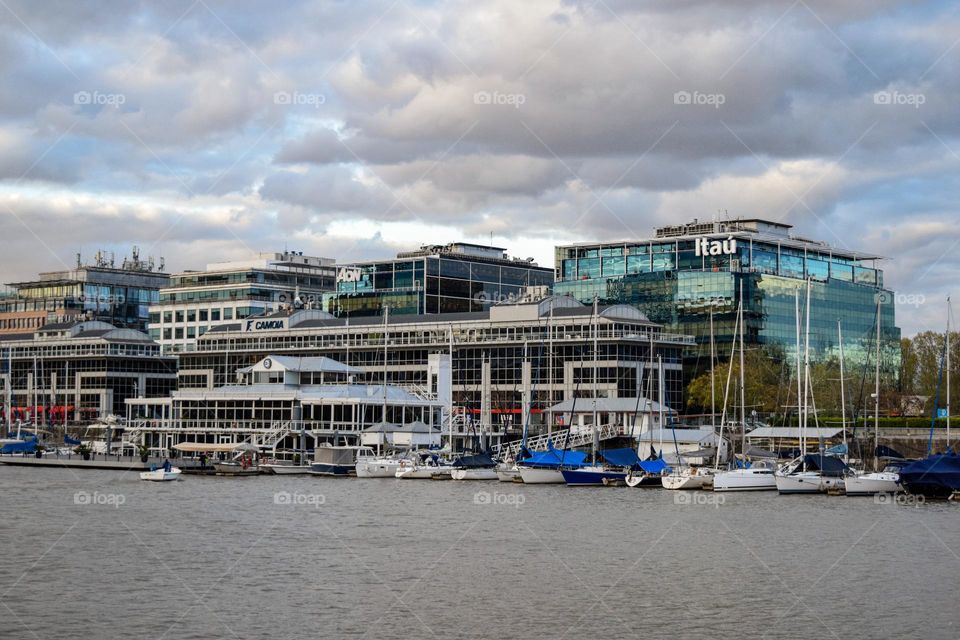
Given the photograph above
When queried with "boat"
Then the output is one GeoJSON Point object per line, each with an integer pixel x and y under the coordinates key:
{"type": "Point", "coordinates": [594, 476]}
{"type": "Point", "coordinates": [812, 473]}
{"type": "Point", "coordinates": [161, 474]}
{"type": "Point", "coordinates": [546, 467]}
{"type": "Point", "coordinates": [244, 466]}
{"type": "Point", "coordinates": [338, 461]}
{"type": "Point", "coordinates": [508, 472]}
{"type": "Point", "coordinates": [688, 478]}
{"type": "Point", "coordinates": [379, 466]}
{"type": "Point", "coordinates": [428, 466]}
{"type": "Point", "coordinates": [759, 476]}
{"type": "Point", "coordinates": [936, 476]}
{"type": "Point", "coordinates": [476, 467]}
{"type": "Point", "coordinates": [868, 484]}
{"type": "Point", "coordinates": [648, 473]}
{"type": "Point", "coordinates": [284, 469]}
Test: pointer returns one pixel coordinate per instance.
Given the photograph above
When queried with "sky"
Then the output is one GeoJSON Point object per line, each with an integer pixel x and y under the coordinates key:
{"type": "Point", "coordinates": [206, 130]}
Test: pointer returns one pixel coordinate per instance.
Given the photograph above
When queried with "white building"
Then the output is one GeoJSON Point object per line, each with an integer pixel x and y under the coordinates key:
{"type": "Point", "coordinates": [197, 301]}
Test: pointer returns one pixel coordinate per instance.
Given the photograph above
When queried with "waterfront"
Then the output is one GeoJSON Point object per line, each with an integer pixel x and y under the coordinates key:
{"type": "Point", "coordinates": [97, 554]}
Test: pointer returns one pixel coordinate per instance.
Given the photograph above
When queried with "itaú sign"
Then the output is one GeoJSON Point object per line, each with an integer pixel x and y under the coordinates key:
{"type": "Point", "coordinates": [708, 247]}
{"type": "Point", "coordinates": [265, 324]}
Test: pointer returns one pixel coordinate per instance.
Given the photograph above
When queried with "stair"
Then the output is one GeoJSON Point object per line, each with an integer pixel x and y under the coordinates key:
{"type": "Point", "coordinates": [560, 439]}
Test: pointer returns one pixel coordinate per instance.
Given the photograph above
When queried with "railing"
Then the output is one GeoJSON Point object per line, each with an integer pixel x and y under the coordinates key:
{"type": "Point", "coordinates": [560, 439]}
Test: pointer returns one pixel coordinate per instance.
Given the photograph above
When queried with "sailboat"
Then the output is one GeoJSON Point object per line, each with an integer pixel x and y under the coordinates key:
{"type": "Point", "coordinates": [886, 480]}
{"type": "Point", "coordinates": [809, 473]}
{"type": "Point", "coordinates": [937, 475]}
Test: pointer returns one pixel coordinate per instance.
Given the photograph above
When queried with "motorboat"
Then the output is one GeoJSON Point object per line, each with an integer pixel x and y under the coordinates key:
{"type": "Point", "coordinates": [240, 467]}
{"type": "Point", "coordinates": [812, 473]}
{"type": "Point", "coordinates": [759, 476]}
{"type": "Point", "coordinates": [284, 469]}
{"type": "Point", "coordinates": [161, 474]}
{"type": "Point", "coordinates": [339, 461]}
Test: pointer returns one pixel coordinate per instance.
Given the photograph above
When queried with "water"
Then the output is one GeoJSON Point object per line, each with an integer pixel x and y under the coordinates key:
{"type": "Point", "coordinates": [304, 557]}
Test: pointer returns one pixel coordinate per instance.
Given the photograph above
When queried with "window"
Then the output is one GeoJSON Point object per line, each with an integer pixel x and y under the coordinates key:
{"type": "Point", "coordinates": [228, 313]}
{"type": "Point", "coordinates": [192, 315]}
{"type": "Point", "coordinates": [215, 314]}
{"type": "Point", "coordinates": [179, 316]}
{"type": "Point", "coordinates": [203, 315]}
{"type": "Point", "coordinates": [167, 317]}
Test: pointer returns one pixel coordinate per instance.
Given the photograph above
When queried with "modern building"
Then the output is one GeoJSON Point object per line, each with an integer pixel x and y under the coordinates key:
{"type": "Point", "coordinates": [75, 372]}
{"type": "Point", "coordinates": [119, 295]}
{"type": "Point", "coordinates": [509, 360]}
{"type": "Point", "coordinates": [280, 403]}
{"type": "Point", "coordinates": [197, 301]}
{"type": "Point", "coordinates": [453, 278]}
{"type": "Point", "coordinates": [686, 273]}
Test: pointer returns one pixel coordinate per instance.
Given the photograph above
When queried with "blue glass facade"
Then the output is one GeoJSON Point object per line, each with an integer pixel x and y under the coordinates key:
{"type": "Point", "coordinates": [678, 281]}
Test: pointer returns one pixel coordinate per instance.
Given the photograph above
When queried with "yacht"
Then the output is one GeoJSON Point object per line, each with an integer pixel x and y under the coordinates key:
{"type": "Point", "coordinates": [812, 473]}
{"type": "Point", "coordinates": [868, 484]}
{"type": "Point", "coordinates": [688, 478]}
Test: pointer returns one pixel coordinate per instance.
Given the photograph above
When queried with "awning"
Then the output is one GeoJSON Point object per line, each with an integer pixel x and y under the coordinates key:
{"type": "Point", "coordinates": [214, 447]}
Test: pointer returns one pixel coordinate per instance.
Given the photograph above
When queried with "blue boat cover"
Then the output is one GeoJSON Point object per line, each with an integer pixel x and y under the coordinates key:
{"type": "Point", "coordinates": [884, 451]}
{"type": "Point", "coordinates": [625, 457]}
{"type": "Point", "coordinates": [654, 466]}
{"type": "Point", "coordinates": [73, 441]}
{"type": "Point", "coordinates": [27, 446]}
{"type": "Point", "coordinates": [837, 450]}
{"type": "Point", "coordinates": [936, 475]}
{"type": "Point", "coordinates": [555, 458]}
{"type": "Point", "coordinates": [827, 465]}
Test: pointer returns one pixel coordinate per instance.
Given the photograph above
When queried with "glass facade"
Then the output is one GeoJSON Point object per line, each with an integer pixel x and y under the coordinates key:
{"type": "Point", "coordinates": [441, 282]}
{"type": "Point", "coordinates": [679, 281]}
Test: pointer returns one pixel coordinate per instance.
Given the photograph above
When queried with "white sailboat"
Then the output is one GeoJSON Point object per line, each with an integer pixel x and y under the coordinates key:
{"type": "Point", "coordinates": [508, 472]}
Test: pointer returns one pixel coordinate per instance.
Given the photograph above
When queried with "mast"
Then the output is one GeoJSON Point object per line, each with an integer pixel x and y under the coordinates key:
{"type": "Point", "coordinates": [948, 372]}
{"type": "Point", "coordinates": [726, 391]}
{"type": "Point", "coordinates": [661, 396]}
{"type": "Point", "coordinates": [596, 359]}
{"type": "Point", "coordinates": [796, 305]}
{"type": "Point", "coordinates": [876, 395]}
{"type": "Point", "coordinates": [743, 384]}
{"type": "Point", "coordinates": [806, 383]}
{"type": "Point", "coordinates": [843, 397]}
{"type": "Point", "coordinates": [386, 322]}
{"type": "Point", "coordinates": [450, 398]}
{"type": "Point", "coordinates": [550, 370]}
{"type": "Point", "coordinates": [713, 382]}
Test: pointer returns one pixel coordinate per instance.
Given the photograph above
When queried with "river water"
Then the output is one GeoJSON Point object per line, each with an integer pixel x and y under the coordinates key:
{"type": "Point", "coordinates": [100, 554]}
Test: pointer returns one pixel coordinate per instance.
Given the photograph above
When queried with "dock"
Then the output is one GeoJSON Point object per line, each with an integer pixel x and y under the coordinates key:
{"type": "Point", "coordinates": [110, 463]}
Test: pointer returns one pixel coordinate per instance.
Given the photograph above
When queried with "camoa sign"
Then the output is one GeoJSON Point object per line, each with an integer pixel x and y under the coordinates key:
{"type": "Point", "coordinates": [708, 247]}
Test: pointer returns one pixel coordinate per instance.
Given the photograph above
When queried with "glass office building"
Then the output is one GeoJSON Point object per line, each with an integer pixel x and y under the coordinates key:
{"type": "Point", "coordinates": [117, 294]}
{"type": "Point", "coordinates": [453, 278]}
{"type": "Point", "coordinates": [685, 272]}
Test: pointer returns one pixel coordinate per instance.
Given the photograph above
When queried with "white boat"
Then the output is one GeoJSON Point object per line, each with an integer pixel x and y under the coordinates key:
{"type": "Point", "coordinates": [868, 484]}
{"type": "Point", "coordinates": [643, 479]}
{"type": "Point", "coordinates": [411, 470]}
{"type": "Point", "coordinates": [807, 482]}
{"type": "Point", "coordinates": [535, 475]}
{"type": "Point", "coordinates": [507, 472]}
{"type": "Point", "coordinates": [759, 477]}
{"type": "Point", "coordinates": [385, 467]}
{"type": "Point", "coordinates": [281, 469]}
{"type": "Point", "coordinates": [688, 478]}
{"type": "Point", "coordinates": [160, 475]}
{"type": "Point", "coordinates": [476, 473]}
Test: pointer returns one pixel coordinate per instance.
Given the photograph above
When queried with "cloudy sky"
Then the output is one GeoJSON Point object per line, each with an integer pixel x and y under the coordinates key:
{"type": "Point", "coordinates": [204, 130]}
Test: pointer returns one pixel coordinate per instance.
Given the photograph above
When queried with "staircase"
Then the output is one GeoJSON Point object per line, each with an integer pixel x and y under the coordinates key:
{"type": "Point", "coordinates": [560, 439]}
{"type": "Point", "coordinates": [271, 438]}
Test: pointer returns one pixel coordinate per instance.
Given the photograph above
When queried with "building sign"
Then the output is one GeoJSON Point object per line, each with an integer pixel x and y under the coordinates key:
{"type": "Point", "coordinates": [348, 274]}
{"type": "Point", "coordinates": [264, 324]}
{"type": "Point", "coordinates": [708, 247]}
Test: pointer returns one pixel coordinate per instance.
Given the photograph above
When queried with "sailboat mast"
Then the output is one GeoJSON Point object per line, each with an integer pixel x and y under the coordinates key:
{"type": "Point", "coordinates": [713, 381]}
{"type": "Point", "coordinates": [743, 393]}
{"type": "Point", "coordinates": [796, 305]}
{"type": "Point", "coordinates": [450, 395]}
{"type": "Point", "coordinates": [806, 379]}
{"type": "Point", "coordinates": [843, 396]}
{"type": "Point", "coordinates": [661, 397]}
{"type": "Point", "coordinates": [386, 322]}
{"type": "Point", "coordinates": [948, 371]}
{"type": "Point", "coordinates": [726, 390]}
{"type": "Point", "coordinates": [876, 395]}
{"type": "Point", "coordinates": [596, 358]}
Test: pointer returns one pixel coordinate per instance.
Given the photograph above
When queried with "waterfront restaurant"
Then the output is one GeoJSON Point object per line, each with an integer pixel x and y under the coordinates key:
{"type": "Point", "coordinates": [279, 403]}
{"type": "Point", "coordinates": [508, 362]}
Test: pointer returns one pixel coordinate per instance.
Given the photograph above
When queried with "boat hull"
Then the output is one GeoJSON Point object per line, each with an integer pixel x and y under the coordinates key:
{"type": "Point", "coordinates": [587, 477]}
{"type": "Point", "coordinates": [337, 470]}
{"type": "Point", "coordinates": [807, 482]}
{"type": "Point", "coordinates": [508, 473]}
{"type": "Point", "coordinates": [937, 476]}
{"type": "Point", "coordinates": [422, 473]}
{"type": "Point", "coordinates": [160, 475]}
{"type": "Point", "coordinates": [474, 474]}
{"type": "Point", "coordinates": [684, 481]}
{"type": "Point", "coordinates": [378, 468]}
{"type": "Point", "coordinates": [533, 475]}
{"type": "Point", "coordinates": [870, 484]}
{"type": "Point", "coordinates": [744, 480]}
{"type": "Point", "coordinates": [644, 481]}
{"type": "Point", "coordinates": [234, 469]}
{"type": "Point", "coordinates": [285, 469]}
